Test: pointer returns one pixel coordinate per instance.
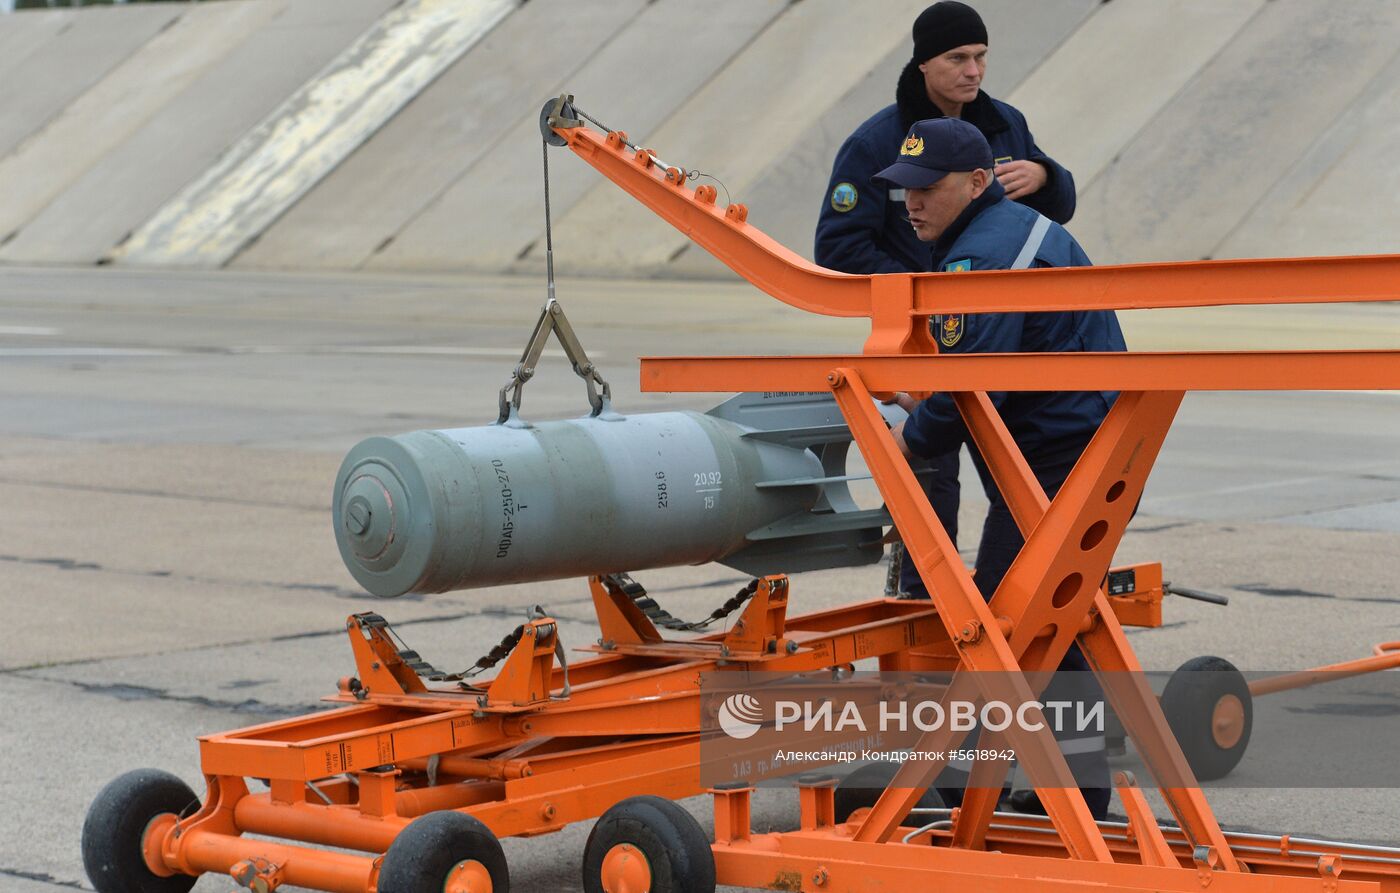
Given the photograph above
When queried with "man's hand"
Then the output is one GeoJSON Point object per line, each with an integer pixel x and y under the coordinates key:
{"type": "Point", "coordinates": [1021, 178]}
{"type": "Point", "coordinates": [898, 432]}
{"type": "Point", "coordinates": [902, 400]}
{"type": "Point", "coordinates": [906, 403]}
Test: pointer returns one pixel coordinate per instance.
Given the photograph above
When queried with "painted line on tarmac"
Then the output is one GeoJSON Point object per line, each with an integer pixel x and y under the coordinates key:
{"type": "Point", "coordinates": [373, 350]}
{"type": "Point", "coordinates": [408, 350]}
{"type": "Point", "coordinates": [29, 330]}
{"type": "Point", "coordinates": [1347, 472]}
{"type": "Point", "coordinates": [85, 352]}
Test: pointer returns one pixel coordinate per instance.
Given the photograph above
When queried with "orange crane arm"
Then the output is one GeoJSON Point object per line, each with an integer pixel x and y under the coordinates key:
{"type": "Point", "coordinates": [895, 302]}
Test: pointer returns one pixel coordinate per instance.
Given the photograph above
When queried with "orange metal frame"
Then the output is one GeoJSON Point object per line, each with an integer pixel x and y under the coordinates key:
{"type": "Point", "coordinates": [526, 763]}
{"type": "Point", "coordinates": [1054, 583]}
{"type": "Point", "coordinates": [506, 751]}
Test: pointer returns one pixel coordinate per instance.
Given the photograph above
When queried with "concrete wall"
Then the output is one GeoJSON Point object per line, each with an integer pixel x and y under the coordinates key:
{"type": "Point", "coordinates": [116, 108]}
{"type": "Point", "coordinates": [311, 133]}
{"type": "Point", "coordinates": [1342, 195]}
{"type": "Point", "coordinates": [231, 133]}
{"type": "Point", "coordinates": [410, 164]}
{"type": "Point", "coordinates": [1191, 176]}
{"type": "Point", "coordinates": [1117, 72]}
{"type": "Point", "coordinates": [57, 65]}
{"type": "Point", "coordinates": [495, 211]}
{"type": "Point", "coordinates": [129, 183]}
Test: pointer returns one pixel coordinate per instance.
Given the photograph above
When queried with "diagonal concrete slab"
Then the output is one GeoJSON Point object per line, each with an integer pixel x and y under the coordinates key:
{"type": "Point", "coordinates": [24, 33]}
{"type": "Point", "coordinates": [1327, 202]}
{"type": "Point", "coordinates": [1141, 55]}
{"type": "Point", "coordinates": [495, 211]}
{"type": "Point", "coordinates": [364, 205]}
{"type": "Point", "coordinates": [78, 56]}
{"type": "Point", "coordinates": [1188, 179]}
{"type": "Point", "coordinates": [310, 133]}
{"type": "Point", "coordinates": [118, 105]}
{"type": "Point", "coordinates": [115, 196]}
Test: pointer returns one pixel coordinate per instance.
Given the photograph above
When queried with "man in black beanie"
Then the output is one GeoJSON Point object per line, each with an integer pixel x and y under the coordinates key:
{"type": "Point", "coordinates": [863, 226]}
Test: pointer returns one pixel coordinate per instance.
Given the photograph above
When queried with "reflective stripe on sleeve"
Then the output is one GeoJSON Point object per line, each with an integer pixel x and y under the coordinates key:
{"type": "Point", "coordinates": [1033, 243]}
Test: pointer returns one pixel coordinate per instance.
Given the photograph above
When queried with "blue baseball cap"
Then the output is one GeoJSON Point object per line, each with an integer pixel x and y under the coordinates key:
{"type": "Point", "coordinates": [935, 148]}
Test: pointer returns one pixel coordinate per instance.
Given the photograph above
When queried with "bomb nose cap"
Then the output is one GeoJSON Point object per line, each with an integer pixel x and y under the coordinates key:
{"type": "Point", "coordinates": [374, 504]}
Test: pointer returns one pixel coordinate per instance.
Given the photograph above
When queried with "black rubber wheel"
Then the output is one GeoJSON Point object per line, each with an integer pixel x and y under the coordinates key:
{"type": "Point", "coordinates": [1209, 708]}
{"type": "Point", "coordinates": [675, 849]}
{"type": "Point", "coordinates": [115, 829]}
{"type": "Point", "coordinates": [865, 785]}
{"type": "Point", "coordinates": [424, 855]}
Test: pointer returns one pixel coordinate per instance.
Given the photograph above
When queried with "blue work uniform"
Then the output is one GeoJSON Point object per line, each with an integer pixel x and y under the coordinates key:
{"type": "Point", "coordinates": [863, 227]}
{"type": "Point", "coordinates": [993, 233]}
{"type": "Point", "coordinates": [1052, 428]}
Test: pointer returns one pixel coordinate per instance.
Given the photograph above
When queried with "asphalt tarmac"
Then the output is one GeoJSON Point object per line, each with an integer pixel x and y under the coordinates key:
{"type": "Point", "coordinates": [168, 442]}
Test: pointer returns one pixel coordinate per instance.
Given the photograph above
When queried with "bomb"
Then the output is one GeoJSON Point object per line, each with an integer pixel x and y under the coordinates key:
{"type": "Point", "coordinates": [758, 484]}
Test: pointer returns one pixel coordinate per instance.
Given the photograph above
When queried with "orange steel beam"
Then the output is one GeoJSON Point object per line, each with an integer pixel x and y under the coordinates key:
{"type": "Point", "coordinates": [969, 622]}
{"type": "Point", "coordinates": [208, 852]}
{"type": "Point", "coordinates": [1054, 581]}
{"type": "Point", "coordinates": [1386, 657]}
{"type": "Point", "coordinates": [1104, 643]}
{"type": "Point", "coordinates": [1342, 370]}
{"type": "Point", "coordinates": [1106, 483]}
{"type": "Point", "coordinates": [1213, 283]}
{"type": "Point", "coordinates": [1153, 848]}
{"type": "Point", "coordinates": [512, 803]}
{"type": "Point", "coordinates": [610, 697]}
{"type": "Point", "coordinates": [780, 272]}
{"type": "Point", "coordinates": [723, 232]}
{"type": "Point", "coordinates": [1013, 864]}
{"type": "Point", "coordinates": [1268, 857]}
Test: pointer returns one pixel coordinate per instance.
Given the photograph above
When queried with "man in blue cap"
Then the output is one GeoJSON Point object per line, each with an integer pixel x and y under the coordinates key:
{"type": "Point", "coordinates": [862, 226]}
{"type": "Point", "coordinates": [957, 208]}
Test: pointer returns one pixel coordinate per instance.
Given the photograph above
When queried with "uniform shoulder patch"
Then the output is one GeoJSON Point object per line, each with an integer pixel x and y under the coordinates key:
{"type": "Point", "coordinates": [958, 266]}
{"type": "Point", "coordinates": [843, 197]}
{"type": "Point", "coordinates": [947, 327]}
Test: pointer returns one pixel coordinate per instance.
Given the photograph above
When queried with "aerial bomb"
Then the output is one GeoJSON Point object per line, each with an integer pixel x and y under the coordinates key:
{"type": "Point", "coordinates": [758, 483]}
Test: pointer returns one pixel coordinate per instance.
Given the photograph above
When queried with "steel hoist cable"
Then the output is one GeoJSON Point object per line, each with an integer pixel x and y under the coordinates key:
{"type": "Point", "coordinates": [552, 320]}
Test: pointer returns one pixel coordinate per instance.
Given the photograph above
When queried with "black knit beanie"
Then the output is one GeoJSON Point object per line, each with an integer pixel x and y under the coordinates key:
{"type": "Point", "coordinates": [946, 25]}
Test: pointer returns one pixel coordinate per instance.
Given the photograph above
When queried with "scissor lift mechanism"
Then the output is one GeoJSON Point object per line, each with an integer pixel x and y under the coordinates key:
{"type": "Point", "coordinates": [525, 762]}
